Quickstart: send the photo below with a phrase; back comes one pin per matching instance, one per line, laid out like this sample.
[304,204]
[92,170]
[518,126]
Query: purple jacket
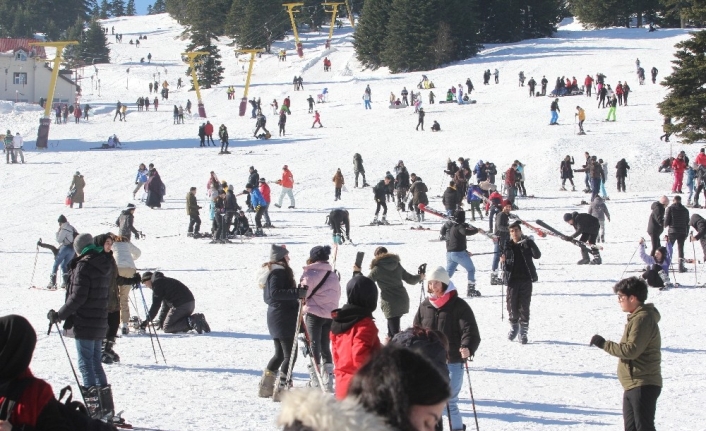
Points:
[327,298]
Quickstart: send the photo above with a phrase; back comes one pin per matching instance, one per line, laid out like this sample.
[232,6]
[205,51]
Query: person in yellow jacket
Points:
[581,114]
[338,183]
[123,111]
[639,368]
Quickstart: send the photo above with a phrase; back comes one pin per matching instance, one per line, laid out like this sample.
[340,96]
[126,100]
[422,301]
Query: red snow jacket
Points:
[700,159]
[208,129]
[31,405]
[351,349]
[287,179]
[510,177]
[588,81]
[679,165]
[265,192]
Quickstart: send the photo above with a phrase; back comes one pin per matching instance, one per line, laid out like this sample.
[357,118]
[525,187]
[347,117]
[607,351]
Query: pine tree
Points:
[93,47]
[412,33]
[130,8]
[159,7]
[117,7]
[685,103]
[105,9]
[209,71]
[256,23]
[370,32]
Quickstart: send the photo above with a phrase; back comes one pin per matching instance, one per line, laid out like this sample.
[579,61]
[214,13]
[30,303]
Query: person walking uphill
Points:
[323,295]
[445,312]
[387,271]
[86,312]
[287,183]
[282,297]
[640,358]
[77,186]
[554,108]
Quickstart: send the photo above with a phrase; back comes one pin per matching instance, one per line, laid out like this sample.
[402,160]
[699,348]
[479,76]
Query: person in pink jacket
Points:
[678,167]
[323,296]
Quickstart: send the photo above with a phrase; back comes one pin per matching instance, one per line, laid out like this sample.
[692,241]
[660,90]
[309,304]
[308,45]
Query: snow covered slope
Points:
[210,381]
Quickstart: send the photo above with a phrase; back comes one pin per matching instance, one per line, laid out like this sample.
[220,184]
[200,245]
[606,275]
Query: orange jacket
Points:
[287,179]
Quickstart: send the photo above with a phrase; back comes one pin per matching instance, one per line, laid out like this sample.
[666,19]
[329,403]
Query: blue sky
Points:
[142,6]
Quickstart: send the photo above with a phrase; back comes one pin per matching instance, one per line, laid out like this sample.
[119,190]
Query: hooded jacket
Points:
[125,254]
[282,303]
[598,209]
[639,349]
[124,224]
[358,163]
[450,198]
[387,271]
[676,218]
[327,297]
[254,178]
[656,224]
[419,193]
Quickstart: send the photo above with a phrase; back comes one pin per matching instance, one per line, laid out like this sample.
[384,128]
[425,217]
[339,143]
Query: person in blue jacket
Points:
[475,200]
[140,179]
[260,205]
[480,171]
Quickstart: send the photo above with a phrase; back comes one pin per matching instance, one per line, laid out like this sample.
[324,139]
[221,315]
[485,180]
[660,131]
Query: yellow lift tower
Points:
[244,100]
[192,58]
[290,8]
[334,13]
[44,122]
[350,14]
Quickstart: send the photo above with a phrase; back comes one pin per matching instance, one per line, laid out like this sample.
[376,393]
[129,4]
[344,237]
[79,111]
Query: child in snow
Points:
[338,184]
[317,119]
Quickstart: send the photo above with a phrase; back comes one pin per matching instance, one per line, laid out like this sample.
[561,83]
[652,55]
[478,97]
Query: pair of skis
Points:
[535,229]
[574,241]
[445,217]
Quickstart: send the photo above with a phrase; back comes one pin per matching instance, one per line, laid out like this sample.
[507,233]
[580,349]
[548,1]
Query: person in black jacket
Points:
[86,312]
[282,296]
[502,230]
[567,173]
[379,191]
[655,226]
[420,121]
[177,303]
[520,273]
[621,173]
[699,225]
[444,311]
[588,227]
[418,190]
[359,169]
[401,184]
[192,210]
[337,218]
[455,233]
[676,218]
[126,223]
[231,208]
[450,198]
[253,178]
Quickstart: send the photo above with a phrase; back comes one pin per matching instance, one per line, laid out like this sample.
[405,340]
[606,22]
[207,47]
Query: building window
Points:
[21,56]
[20,78]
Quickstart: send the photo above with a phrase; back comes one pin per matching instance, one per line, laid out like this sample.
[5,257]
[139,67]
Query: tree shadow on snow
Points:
[66,145]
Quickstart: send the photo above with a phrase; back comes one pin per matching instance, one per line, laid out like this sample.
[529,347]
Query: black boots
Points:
[52,282]
[514,330]
[105,396]
[682,267]
[524,327]
[596,257]
[65,281]
[472,292]
[109,356]
[198,323]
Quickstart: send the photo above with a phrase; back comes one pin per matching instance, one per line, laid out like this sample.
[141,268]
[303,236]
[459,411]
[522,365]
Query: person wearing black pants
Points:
[676,218]
[380,191]
[587,226]
[192,210]
[337,218]
[520,272]
[655,226]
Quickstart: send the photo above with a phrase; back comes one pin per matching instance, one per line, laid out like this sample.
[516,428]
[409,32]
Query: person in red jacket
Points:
[701,158]
[678,167]
[265,192]
[34,404]
[317,119]
[619,93]
[354,336]
[510,184]
[588,83]
[208,129]
[287,183]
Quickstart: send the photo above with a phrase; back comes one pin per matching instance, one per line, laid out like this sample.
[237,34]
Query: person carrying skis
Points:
[337,218]
[554,108]
[455,231]
[380,191]
[676,219]
[599,210]
[177,305]
[581,115]
[223,135]
[317,120]
[657,272]
[519,272]
[639,365]
[502,230]
[420,119]
[587,227]
[621,173]
[359,169]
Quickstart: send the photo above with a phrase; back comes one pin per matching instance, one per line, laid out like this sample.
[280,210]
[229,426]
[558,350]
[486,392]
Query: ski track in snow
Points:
[555,382]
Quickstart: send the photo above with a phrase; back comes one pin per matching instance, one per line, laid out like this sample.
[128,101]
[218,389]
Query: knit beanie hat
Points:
[62,219]
[147,276]
[320,253]
[278,252]
[82,241]
[568,217]
[439,274]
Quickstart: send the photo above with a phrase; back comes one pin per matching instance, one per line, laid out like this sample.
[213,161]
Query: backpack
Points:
[74,412]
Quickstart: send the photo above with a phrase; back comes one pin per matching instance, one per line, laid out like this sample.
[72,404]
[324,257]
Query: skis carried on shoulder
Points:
[445,217]
[535,229]
[574,241]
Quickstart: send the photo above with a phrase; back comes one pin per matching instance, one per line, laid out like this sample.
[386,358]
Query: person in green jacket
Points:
[639,368]
[388,273]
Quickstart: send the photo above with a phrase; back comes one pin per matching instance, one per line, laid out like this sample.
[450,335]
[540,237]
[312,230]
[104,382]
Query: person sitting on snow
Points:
[657,271]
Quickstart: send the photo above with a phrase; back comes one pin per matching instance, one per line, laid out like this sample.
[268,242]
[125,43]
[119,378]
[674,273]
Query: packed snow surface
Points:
[210,381]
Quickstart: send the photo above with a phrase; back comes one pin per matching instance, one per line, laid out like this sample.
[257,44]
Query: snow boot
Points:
[204,323]
[105,398]
[125,329]
[682,268]
[65,280]
[267,384]
[109,356]
[291,207]
[91,397]
[471,291]
[596,258]
[524,327]
[573,188]
[585,260]
[384,220]
[375,221]
[562,189]
[195,323]
[665,280]
[313,378]
[328,378]
[280,387]
[421,215]
[514,330]
[52,282]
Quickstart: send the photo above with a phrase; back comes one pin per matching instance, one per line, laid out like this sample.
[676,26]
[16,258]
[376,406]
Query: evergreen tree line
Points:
[627,13]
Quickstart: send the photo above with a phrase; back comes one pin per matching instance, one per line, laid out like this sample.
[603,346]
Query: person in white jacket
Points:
[17,143]
[323,296]
[65,237]
[125,254]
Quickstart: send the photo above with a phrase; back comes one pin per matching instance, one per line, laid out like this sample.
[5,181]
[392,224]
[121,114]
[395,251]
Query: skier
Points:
[379,191]
[337,218]
[418,190]
[587,226]
[455,233]
[192,210]
[676,218]
[420,121]
[358,168]
[657,272]
[502,230]
[260,124]
[445,312]
[581,115]
[65,237]
[283,299]
[653,72]
[567,173]
[287,184]
[621,173]
[311,104]
[282,123]
[202,135]
[599,210]
[544,83]
[519,272]
[639,355]
[338,182]
[87,302]
[613,103]
[554,108]
[323,296]
[177,305]
[223,135]
[317,119]
[125,223]
[532,84]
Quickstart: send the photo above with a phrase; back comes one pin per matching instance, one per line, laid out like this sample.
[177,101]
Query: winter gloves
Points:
[301,291]
[53,317]
[597,341]
[136,278]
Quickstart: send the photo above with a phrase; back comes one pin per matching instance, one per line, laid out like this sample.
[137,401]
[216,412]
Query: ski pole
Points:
[693,247]
[36,256]
[61,337]
[630,261]
[473,401]
[150,328]
[293,354]
[421,271]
